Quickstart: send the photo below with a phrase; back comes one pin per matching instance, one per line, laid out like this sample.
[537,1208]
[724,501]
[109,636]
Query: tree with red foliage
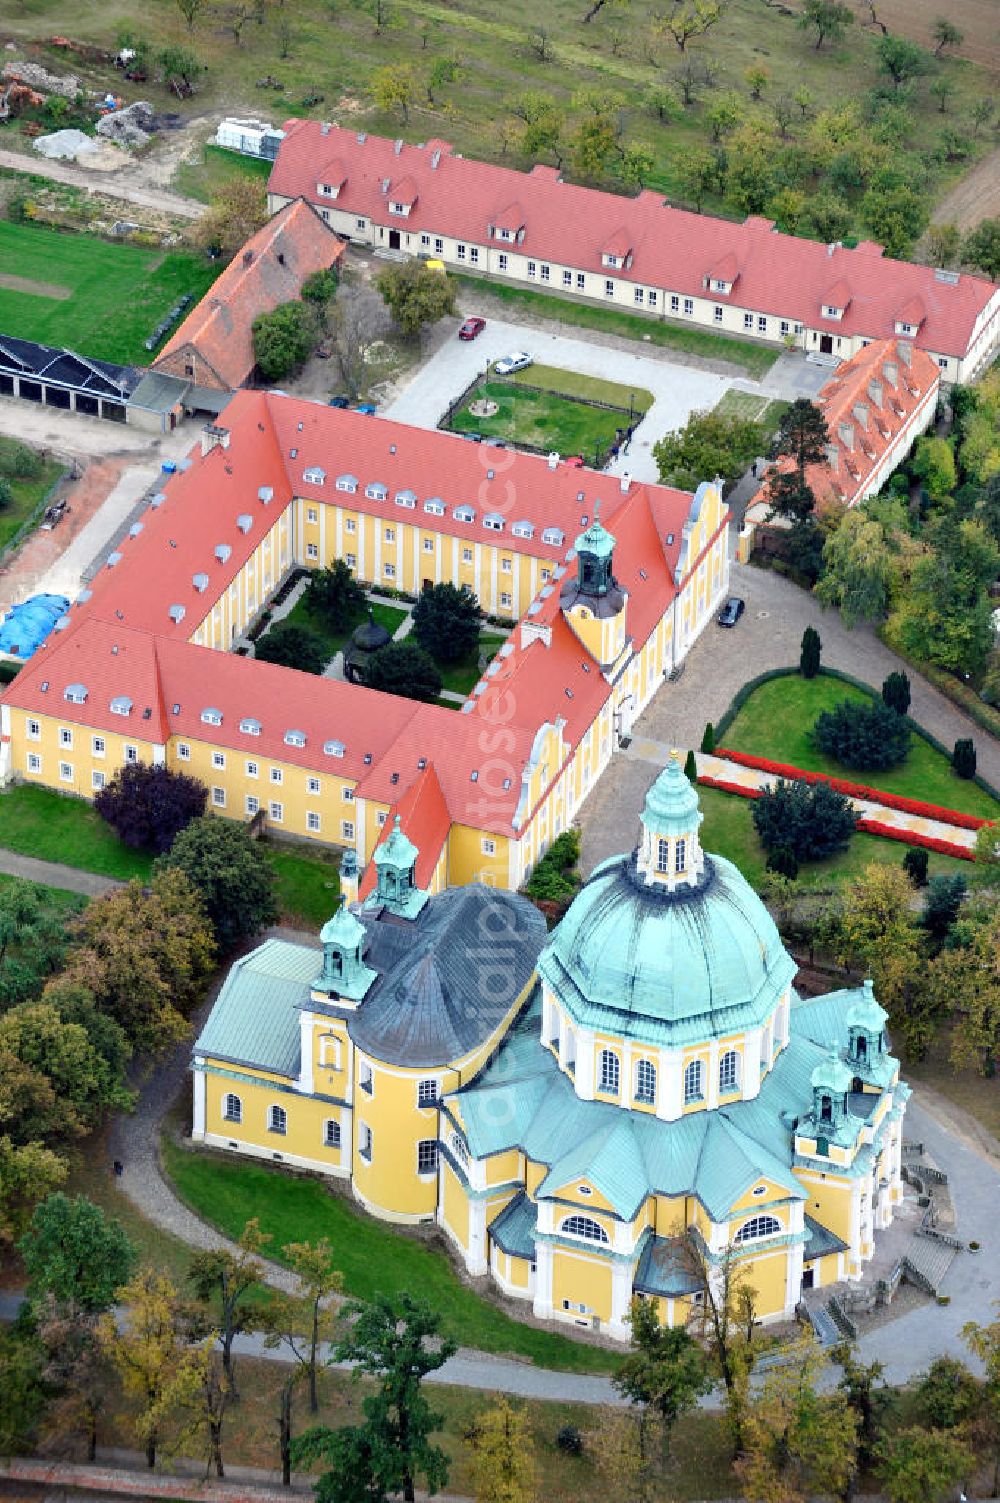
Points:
[148,806]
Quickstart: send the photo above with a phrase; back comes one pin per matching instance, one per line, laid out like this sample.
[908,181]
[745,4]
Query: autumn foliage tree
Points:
[226,1283]
[147,805]
[796,1443]
[237,211]
[503,1454]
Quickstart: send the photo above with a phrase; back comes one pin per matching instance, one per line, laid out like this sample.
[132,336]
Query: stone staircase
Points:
[927,1260]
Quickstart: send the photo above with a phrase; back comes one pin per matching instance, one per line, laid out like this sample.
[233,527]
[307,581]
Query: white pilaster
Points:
[750,1079]
[475,1258]
[793,1277]
[585,1064]
[670,1096]
[198,1116]
[712,1084]
[306,1081]
[542,1306]
[621,1298]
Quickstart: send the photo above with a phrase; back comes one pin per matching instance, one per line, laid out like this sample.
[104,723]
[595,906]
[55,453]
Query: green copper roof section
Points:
[866,1012]
[343,930]
[597,540]
[671,806]
[344,973]
[398,851]
[639,962]
[831,1074]
[254,1020]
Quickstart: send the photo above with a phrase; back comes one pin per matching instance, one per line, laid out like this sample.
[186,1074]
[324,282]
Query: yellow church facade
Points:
[599,1113]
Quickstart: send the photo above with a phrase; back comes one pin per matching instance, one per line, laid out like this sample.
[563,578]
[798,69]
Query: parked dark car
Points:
[339,402]
[366,407]
[732,611]
[471,328]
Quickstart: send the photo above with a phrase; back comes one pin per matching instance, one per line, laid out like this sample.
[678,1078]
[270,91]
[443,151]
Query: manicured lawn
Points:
[374,1256]
[540,418]
[745,404]
[461,677]
[754,359]
[28,494]
[110,297]
[728,830]
[52,827]
[573,384]
[389,616]
[776,722]
[215,168]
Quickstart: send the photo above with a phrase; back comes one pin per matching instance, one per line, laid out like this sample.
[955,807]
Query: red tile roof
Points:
[868,405]
[779,274]
[424,816]
[122,640]
[269,270]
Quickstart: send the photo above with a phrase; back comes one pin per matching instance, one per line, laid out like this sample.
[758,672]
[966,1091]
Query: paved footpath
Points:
[107,184]
[54,874]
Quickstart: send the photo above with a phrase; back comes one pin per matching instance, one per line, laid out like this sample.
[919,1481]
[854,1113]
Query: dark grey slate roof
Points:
[664,1268]
[448,978]
[821,1241]
[43,362]
[513,1230]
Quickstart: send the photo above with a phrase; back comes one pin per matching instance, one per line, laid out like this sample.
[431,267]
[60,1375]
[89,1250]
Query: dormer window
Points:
[348,483]
[398,208]
[211,716]
[553,535]
[494,521]
[464,514]
[830,312]
[314,475]
[523,529]
[333,748]
[406,498]
[76,694]
[249,726]
[295,738]
[376,491]
[121,705]
[434,507]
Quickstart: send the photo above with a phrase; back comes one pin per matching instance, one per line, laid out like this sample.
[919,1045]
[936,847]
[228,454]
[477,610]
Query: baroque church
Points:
[573,1109]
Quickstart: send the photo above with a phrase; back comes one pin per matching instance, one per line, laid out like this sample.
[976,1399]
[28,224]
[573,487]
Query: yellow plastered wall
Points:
[476,856]
[603,637]
[582,1279]
[331,1053]
[767,1275]
[505,1169]
[306,1118]
[455,1205]
[750,1204]
[389,1181]
[232,608]
[829,1201]
[295,800]
[70,754]
[672,1215]
[517,1271]
[587,1200]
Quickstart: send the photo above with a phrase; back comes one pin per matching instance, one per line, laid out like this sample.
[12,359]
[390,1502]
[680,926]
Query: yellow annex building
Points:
[152,662]
[572,1109]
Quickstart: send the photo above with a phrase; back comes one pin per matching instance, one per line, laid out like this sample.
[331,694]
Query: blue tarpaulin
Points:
[26,626]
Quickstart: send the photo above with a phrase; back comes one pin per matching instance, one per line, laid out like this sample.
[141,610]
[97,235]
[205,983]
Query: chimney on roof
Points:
[861,416]
[625,482]
[213,437]
[362,137]
[905,351]
[435,158]
[248,258]
[890,371]
[397,146]
[875,392]
[845,432]
[833,457]
[324,129]
[553,460]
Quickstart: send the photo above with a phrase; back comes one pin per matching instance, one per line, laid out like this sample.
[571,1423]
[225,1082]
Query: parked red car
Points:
[471,328]
[575,461]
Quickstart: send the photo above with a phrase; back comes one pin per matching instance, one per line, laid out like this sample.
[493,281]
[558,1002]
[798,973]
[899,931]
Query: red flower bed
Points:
[911,837]
[858,790]
[740,788]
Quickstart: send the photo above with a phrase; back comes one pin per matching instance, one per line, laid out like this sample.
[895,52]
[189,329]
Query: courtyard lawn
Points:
[542,419]
[214,169]
[28,495]
[756,360]
[728,830]
[54,827]
[745,404]
[461,677]
[373,1255]
[573,384]
[776,722]
[94,296]
[389,616]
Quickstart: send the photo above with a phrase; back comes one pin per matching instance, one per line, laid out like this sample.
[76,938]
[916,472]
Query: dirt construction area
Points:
[976,197]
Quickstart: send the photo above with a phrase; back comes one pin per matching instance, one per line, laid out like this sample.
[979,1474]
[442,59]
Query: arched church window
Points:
[729,1072]
[692,1081]
[680,855]
[584,1226]
[861,1046]
[645,1081]
[610,1075]
[826,1109]
[758,1226]
[662,855]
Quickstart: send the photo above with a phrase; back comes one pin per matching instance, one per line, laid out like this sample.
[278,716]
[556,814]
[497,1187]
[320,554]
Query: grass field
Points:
[756,360]
[728,830]
[214,168]
[460,677]
[39,822]
[777,720]
[28,495]
[574,384]
[389,616]
[374,1256]
[110,296]
[541,419]
[744,404]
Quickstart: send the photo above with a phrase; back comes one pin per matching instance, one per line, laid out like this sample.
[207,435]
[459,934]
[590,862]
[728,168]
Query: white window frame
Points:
[276,812]
[610,1076]
[231,1113]
[427,1157]
[277,1120]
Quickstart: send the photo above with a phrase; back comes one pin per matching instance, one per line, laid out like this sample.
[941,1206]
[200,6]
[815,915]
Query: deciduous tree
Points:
[863,1387]
[709,445]
[305,1320]
[899,59]
[944,244]
[403,668]
[56,1084]
[503,1454]
[335,594]
[917,1465]
[292,646]
[665,1370]
[725,1320]
[690,19]
[797,1442]
[857,569]
[984,1342]
[878,934]
[946,35]
[981,248]
[22,1392]
[830,18]
[227,1282]
[146,804]
[946,613]
[283,339]
[74,1369]
[27,1173]
[625,1451]
[416,295]
[32,941]
[76,1254]
[232,874]
[446,623]
[237,211]
[393,88]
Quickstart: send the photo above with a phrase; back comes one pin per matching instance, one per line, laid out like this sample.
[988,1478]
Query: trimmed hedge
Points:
[858,790]
[911,837]
[742,789]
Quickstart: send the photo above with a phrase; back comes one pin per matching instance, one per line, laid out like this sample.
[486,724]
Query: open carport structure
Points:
[61,378]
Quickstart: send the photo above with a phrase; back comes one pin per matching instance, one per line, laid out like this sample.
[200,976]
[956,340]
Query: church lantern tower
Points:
[593,602]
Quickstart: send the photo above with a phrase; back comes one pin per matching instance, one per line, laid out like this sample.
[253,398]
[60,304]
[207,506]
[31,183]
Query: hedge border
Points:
[910,837]
[986,716]
[864,791]
[741,696]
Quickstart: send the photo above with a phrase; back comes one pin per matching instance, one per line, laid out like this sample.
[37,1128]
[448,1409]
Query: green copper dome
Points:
[636,960]
[671,806]
[831,1074]
[342,930]
[867,1013]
